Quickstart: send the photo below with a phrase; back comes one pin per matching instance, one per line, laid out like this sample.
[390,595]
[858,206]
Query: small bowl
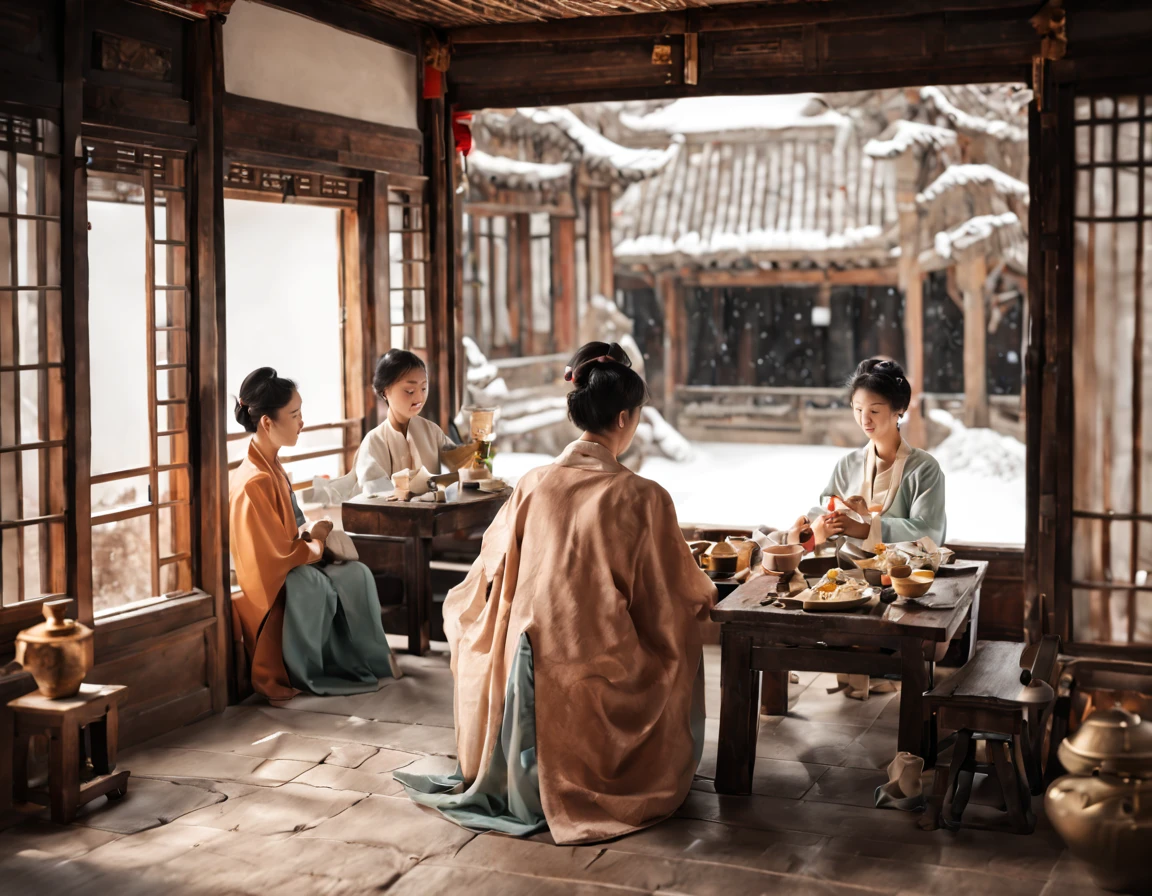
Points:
[900,572]
[782,557]
[722,558]
[916,585]
[492,485]
[873,577]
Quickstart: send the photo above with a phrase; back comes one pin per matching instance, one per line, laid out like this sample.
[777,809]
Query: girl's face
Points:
[874,415]
[406,396]
[284,429]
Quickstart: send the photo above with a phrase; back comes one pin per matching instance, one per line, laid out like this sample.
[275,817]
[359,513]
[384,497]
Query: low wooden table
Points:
[394,538]
[877,639]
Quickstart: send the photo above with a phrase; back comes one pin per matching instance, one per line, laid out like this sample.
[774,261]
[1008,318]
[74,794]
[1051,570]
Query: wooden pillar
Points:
[912,283]
[970,277]
[520,285]
[564,306]
[211,398]
[668,291]
[439,314]
[604,273]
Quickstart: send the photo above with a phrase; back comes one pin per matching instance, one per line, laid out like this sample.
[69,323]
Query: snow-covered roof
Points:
[903,135]
[969,123]
[967,176]
[1000,235]
[514,174]
[726,114]
[597,151]
[759,245]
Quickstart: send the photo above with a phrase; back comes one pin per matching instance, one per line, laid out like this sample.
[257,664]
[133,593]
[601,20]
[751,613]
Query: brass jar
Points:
[58,652]
[1103,808]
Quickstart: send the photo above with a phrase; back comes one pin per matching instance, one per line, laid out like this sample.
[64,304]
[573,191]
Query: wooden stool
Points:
[988,701]
[70,785]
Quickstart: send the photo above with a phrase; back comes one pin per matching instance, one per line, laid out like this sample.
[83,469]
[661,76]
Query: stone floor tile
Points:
[772,777]
[902,875]
[819,743]
[349,755]
[281,745]
[336,778]
[276,810]
[43,841]
[174,763]
[425,880]
[847,786]
[388,760]
[398,822]
[153,847]
[148,804]
[1028,857]
[872,749]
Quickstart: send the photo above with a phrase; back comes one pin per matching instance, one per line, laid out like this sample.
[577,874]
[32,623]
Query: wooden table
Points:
[876,639]
[395,538]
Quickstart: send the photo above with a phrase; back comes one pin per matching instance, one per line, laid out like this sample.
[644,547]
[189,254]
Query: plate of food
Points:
[836,591]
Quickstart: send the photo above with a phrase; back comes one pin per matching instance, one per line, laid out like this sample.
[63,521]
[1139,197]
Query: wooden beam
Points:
[912,282]
[211,349]
[729,18]
[520,317]
[885,276]
[372,24]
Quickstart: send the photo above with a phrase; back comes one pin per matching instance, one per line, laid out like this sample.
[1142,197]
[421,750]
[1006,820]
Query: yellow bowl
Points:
[915,585]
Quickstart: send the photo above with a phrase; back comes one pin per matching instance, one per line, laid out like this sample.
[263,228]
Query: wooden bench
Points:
[993,700]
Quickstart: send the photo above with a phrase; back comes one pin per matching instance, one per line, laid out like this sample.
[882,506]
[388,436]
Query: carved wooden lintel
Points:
[116,53]
[1051,24]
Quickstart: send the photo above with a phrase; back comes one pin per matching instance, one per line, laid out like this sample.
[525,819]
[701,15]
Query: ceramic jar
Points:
[1103,807]
[58,652]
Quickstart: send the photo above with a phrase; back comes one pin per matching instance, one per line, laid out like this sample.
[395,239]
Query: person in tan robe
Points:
[585,570]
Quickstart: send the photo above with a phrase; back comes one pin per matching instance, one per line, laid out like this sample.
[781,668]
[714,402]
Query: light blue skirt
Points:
[334,642]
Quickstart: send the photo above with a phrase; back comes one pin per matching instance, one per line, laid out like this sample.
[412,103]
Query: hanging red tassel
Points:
[461,132]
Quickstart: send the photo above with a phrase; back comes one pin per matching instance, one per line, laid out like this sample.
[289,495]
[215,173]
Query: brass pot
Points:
[58,652]
[1103,808]
[1106,822]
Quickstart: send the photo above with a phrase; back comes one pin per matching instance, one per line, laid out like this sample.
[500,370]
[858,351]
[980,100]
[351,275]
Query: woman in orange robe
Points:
[307,625]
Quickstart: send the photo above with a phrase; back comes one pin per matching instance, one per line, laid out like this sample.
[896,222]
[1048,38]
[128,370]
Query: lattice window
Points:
[139,345]
[33,501]
[1112,370]
[408,269]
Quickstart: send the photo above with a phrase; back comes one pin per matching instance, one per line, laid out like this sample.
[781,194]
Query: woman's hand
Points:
[858,505]
[820,529]
[319,530]
[839,524]
[798,527]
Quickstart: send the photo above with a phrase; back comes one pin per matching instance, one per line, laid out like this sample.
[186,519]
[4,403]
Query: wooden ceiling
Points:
[458,13]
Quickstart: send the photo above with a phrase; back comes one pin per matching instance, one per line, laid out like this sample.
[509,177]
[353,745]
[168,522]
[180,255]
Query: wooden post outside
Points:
[438,329]
[970,276]
[520,297]
[912,283]
[606,275]
[669,294]
[564,306]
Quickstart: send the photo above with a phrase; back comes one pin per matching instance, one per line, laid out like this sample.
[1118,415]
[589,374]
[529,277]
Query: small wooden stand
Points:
[94,708]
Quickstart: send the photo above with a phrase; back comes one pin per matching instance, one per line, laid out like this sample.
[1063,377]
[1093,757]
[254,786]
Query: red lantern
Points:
[433,83]
[461,132]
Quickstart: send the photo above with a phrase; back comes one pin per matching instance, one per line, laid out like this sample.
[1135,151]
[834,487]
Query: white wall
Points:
[278,56]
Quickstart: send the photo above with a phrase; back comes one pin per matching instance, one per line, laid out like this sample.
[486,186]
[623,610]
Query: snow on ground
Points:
[735,484]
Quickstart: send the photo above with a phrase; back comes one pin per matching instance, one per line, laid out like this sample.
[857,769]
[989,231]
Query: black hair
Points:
[604,385]
[392,366]
[262,394]
[884,378]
